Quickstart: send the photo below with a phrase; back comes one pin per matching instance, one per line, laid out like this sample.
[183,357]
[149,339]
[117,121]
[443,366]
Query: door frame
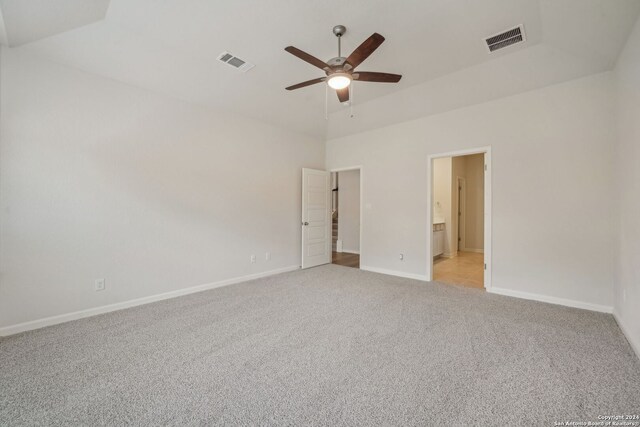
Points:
[487,208]
[461,192]
[353,168]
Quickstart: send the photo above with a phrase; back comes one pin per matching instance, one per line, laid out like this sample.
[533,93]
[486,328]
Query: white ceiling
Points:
[25,21]
[170,46]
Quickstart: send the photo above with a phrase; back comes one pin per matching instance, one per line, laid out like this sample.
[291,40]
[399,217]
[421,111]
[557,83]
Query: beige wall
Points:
[474,202]
[442,207]
[447,170]
[457,169]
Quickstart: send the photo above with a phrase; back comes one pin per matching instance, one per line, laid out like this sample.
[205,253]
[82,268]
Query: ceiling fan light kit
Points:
[339,80]
[340,71]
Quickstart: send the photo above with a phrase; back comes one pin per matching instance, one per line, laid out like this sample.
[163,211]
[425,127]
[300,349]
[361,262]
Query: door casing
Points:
[487,208]
[358,168]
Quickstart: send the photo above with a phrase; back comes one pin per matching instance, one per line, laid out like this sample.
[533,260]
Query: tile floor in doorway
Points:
[467,269]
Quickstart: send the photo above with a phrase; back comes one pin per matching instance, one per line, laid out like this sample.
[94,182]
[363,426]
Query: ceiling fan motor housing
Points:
[340,71]
[339,30]
[339,63]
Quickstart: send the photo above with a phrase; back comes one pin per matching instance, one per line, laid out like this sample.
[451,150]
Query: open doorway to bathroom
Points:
[459,223]
[345,215]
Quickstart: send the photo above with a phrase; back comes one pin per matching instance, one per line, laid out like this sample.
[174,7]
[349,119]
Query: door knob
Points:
[305,223]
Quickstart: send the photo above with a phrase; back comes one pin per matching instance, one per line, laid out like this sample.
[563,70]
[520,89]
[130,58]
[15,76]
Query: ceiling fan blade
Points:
[371,76]
[363,51]
[307,83]
[307,58]
[343,94]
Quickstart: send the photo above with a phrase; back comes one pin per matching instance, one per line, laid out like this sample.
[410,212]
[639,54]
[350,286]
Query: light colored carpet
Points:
[326,346]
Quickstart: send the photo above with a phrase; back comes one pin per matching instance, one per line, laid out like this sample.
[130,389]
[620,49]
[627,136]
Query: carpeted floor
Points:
[327,346]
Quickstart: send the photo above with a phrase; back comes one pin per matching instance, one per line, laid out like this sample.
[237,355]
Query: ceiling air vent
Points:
[506,38]
[235,62]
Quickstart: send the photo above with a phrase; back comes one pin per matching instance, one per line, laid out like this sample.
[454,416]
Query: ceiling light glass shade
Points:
[339,81]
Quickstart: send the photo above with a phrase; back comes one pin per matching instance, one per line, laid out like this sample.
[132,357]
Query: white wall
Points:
[627,166]
[103,180]
[349,210]
[551,149]
[442,199]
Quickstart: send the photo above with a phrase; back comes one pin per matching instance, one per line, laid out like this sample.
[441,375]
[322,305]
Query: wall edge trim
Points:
[81,314]
[551,300]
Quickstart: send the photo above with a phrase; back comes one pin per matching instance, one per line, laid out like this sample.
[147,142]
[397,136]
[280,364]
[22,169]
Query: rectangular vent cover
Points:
[506,38]
[235,62]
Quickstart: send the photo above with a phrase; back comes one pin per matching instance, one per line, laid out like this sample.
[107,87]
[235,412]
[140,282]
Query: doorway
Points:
[346,217]
[461,196]
[460,218]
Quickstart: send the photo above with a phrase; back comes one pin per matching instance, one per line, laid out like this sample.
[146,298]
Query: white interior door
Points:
[316,237]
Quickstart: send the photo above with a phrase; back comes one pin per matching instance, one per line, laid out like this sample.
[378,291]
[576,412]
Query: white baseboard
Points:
[633,342]
[54,320]
[394,273]
[350,251]
[477,251]
[551,300]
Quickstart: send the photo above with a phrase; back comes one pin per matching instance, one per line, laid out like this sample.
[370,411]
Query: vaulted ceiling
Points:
[171,46]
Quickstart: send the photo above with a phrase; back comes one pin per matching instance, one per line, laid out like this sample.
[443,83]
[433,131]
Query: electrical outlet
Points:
[267,256]
[99,285]
[253,259]
[401,257]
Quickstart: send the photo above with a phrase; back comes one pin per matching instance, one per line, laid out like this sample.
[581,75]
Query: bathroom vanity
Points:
[437,241]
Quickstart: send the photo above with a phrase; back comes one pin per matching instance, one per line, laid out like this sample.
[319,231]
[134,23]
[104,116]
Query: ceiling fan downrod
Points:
[339,31]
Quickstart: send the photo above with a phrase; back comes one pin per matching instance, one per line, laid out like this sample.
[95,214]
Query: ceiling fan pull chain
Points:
[326,102]
[351,89]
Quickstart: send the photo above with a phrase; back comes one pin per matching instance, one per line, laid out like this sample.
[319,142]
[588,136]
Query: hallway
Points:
[466,269]
[346,259]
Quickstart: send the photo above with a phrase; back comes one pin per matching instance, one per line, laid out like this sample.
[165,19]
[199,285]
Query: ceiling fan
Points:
[340,71]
